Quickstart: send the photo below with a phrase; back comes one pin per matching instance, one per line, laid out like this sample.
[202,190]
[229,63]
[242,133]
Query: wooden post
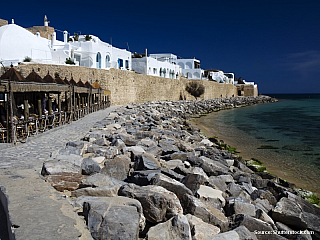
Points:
[7,108]
[11,113]
[50,106]
[26,110]
[39,108]
[59,103]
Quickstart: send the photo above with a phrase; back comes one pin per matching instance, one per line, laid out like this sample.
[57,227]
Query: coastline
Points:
[247,150]
[144,151]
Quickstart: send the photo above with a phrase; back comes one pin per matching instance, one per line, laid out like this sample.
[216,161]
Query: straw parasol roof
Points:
[34,77]
[65,80]
[72,82]
[96,84]
[13,74]
[48,79]
[58,80]
[87,85]
[80,84]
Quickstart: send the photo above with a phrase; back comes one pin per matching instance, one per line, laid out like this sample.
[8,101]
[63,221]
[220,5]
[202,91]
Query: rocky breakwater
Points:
[144,172]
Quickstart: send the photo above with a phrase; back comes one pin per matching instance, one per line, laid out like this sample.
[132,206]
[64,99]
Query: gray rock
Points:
[262,215]
[100,180]
[289,212]
[117,168]
[171,185]
[245,234]
[172,164]
[157,207]
[142,178]
[89,166]
[175,228]
[179,155]
[105,191]
[172,174]
[207,192]
[146,161]
[251,223]
[150,146]
[244,208]
[193,182]
[71,164]
[204,210]
[167,146]
[109,218]
[200,229]
[102,142]
[225,236]
[214,168]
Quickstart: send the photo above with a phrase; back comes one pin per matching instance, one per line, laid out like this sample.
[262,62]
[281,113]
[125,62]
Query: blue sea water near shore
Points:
[284,135]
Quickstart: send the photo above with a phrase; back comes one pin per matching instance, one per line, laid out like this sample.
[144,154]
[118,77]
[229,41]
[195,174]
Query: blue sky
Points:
[274,43]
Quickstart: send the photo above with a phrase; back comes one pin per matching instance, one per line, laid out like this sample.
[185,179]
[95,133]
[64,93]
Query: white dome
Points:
[16,43]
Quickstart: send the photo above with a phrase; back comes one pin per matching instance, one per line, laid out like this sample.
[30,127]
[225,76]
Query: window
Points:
[154,71]
[127,64]
[98,60]
[120,63]
[107,61]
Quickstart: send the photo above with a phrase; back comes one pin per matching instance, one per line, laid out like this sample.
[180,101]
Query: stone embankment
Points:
[145,172]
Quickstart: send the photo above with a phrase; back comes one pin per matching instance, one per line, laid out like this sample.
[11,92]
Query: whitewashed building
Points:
[190,68]
[17,44]
[156,66]
[90,51]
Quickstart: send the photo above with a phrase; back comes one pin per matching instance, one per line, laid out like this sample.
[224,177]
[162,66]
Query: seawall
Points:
[130,87]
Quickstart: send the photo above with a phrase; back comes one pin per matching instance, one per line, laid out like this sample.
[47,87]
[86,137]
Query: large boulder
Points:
[101,180]
[170,184]
[225,236]
[158,204]
[63,163]
[210,193]
[175,228]
[143,177]
[117,168]
[146,161]
[65,181]
[297,213]
[110,218]
[193,182]
[204,210]
[89,166]
[214,168]
[200,229]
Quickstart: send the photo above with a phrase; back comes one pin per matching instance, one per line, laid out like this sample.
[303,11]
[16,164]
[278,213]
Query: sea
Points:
[284,136]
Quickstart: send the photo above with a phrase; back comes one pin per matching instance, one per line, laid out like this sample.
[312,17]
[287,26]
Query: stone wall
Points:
[43,30]
[3,22]
[128,86]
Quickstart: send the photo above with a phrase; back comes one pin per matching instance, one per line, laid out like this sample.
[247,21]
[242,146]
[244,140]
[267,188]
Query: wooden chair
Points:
[3,132]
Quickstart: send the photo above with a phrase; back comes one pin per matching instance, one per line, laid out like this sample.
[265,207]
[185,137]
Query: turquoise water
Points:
[284,135]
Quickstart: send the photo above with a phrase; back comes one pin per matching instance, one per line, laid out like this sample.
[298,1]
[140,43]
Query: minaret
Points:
[46,22]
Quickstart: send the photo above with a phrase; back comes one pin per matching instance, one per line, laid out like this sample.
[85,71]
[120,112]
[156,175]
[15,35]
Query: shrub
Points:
[27,59]
[87,37]
[69,61]
[195,88]
[56,74]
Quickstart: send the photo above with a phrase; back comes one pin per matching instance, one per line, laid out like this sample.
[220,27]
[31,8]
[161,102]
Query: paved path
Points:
[37,208]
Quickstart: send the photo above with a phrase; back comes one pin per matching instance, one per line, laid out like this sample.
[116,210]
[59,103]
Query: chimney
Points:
[146,52]
[54,38]
[65,36]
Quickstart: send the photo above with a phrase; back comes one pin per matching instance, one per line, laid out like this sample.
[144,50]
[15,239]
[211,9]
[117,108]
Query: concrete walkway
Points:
[37,209]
